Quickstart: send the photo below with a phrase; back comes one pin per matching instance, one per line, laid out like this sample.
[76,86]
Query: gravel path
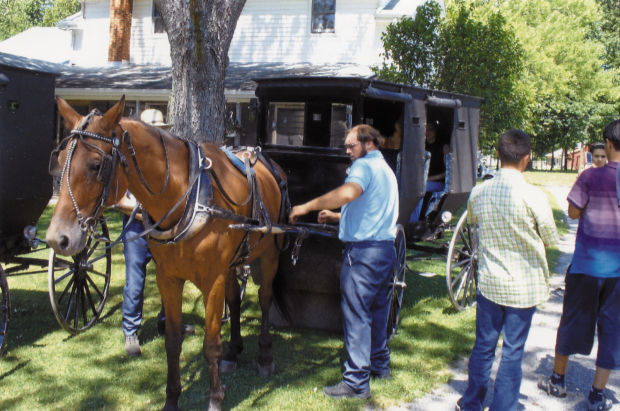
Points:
[539,351]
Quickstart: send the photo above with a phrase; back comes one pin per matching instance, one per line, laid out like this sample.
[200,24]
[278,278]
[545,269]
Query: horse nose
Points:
[63,244]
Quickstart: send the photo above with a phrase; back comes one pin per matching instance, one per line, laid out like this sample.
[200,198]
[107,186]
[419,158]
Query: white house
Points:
[272,37]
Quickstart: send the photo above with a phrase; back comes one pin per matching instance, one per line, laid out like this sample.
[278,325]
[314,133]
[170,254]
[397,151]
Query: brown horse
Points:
[158,176]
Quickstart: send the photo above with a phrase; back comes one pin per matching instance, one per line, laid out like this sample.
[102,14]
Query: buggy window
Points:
[318,124]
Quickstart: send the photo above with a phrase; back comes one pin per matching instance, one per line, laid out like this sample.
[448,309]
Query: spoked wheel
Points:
[397,284]
[78,285]
[462,265]
[5,309]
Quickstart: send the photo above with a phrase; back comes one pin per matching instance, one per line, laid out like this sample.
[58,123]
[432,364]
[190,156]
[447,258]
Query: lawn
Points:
[46,368]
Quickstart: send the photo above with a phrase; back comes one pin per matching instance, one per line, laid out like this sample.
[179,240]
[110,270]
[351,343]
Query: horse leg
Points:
[269,266]
[171,291]
[235,346]
[213,300]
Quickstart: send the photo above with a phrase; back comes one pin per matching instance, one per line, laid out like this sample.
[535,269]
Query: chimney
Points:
[120,30]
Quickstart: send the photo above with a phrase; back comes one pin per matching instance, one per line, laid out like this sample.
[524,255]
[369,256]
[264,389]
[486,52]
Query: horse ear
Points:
[70,116]
[113,115]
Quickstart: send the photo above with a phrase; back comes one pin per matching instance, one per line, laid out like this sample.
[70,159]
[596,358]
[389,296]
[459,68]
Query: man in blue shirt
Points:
[369,203]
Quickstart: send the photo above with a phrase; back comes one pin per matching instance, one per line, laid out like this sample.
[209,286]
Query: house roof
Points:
[155,77]
[44,43]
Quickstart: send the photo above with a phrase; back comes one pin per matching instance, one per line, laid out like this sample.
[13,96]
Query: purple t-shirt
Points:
[597,246]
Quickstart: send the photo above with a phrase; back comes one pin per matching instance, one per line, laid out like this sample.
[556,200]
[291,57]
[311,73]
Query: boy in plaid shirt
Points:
[515,224]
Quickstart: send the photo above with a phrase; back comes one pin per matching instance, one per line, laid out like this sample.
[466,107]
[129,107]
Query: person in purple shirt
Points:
[592,292]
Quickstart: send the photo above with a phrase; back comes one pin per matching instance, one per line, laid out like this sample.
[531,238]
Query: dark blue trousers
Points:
[365,276]
[514,324]
[137,256]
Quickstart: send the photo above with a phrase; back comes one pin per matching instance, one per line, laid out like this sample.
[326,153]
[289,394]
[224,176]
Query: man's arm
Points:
[573,211]
[329,201]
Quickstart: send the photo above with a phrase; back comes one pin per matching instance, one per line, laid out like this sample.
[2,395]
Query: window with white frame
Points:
[323,16]
[158,22]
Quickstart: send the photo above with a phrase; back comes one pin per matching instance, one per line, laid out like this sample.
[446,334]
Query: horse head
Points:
[86,162]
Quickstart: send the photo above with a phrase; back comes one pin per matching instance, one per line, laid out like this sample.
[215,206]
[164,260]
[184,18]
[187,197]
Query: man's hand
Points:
[327,216]
[297,212]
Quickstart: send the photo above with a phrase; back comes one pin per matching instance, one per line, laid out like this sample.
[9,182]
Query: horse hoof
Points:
[266,370]
[226,367]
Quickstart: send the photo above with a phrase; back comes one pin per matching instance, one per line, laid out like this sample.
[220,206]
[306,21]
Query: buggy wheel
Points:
[462,265]
[5,309]
[397,285]
[78,285]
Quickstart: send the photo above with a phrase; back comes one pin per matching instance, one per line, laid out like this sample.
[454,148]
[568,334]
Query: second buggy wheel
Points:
[5,309]
[78,285]
[462,265]
[397,285]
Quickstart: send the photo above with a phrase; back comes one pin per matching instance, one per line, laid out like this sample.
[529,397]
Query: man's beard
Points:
[364,152]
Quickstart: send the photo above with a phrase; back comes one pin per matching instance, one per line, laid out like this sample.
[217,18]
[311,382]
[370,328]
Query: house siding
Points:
[267,31]
[277,31]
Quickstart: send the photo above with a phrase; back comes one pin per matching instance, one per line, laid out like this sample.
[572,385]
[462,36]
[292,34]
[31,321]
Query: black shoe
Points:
[459,405]
[187,329]
[381,375]
[557,390]
[342,390]
[602,404]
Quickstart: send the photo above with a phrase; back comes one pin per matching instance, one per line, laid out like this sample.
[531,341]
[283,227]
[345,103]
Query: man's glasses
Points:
[350,146]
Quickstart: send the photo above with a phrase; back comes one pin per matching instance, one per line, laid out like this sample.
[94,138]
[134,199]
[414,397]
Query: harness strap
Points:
[132,152]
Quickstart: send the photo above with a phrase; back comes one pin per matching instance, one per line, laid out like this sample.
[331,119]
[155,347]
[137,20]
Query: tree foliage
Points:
[550,67]
[19,15]
[459,53]
[572,89]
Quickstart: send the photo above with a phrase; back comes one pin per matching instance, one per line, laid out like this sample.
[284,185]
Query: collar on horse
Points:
[199,207]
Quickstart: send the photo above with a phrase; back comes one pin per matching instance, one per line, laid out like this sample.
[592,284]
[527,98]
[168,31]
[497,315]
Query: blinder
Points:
[106,168]
[54,167]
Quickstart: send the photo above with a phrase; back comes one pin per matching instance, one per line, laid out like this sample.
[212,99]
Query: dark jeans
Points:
[364,283]
[137,256]
[514,324]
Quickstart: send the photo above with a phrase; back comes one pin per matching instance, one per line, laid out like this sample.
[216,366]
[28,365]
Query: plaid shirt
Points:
[515,223]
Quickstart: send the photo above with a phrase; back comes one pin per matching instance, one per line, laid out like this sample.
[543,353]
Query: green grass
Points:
[46,368]
[551,178]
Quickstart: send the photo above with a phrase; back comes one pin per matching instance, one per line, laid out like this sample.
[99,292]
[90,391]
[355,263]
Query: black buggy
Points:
[301,123]
[78,286]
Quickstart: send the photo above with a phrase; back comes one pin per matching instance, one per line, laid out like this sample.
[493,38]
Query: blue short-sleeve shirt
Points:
[373,215]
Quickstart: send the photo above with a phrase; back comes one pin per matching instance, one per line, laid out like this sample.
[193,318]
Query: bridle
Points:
[106,167]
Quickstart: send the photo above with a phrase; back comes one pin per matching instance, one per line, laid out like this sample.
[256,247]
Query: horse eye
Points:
[95,166]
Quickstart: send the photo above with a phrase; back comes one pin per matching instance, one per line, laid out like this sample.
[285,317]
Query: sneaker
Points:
[342,390]
[459,405]
[188,329]
[132,345]
[550,388]
[601,405]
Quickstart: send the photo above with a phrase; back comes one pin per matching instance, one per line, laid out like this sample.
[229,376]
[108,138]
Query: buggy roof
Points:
[347,87]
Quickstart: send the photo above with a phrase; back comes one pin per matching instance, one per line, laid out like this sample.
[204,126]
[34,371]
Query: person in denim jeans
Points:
[515,225]
[369,201]
[137,256]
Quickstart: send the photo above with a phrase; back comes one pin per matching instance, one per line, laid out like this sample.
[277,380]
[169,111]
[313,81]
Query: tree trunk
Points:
[199,33]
